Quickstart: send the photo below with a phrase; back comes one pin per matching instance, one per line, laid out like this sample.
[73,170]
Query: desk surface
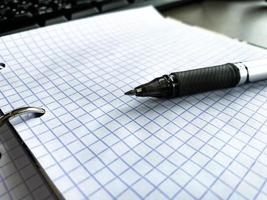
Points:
[243,19]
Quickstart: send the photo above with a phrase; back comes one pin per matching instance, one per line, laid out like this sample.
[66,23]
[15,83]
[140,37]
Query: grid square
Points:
[113,125]
[195,143]
[191,168]
[128,194]
[187,151]
[195,188]
[155,177]
[104,176]
[169,188]
[142,167]
[254,179]
[163,135]
[89,186]
[142,187]
[122,132]
[153,142]
[142,149]
[181,177]
[132,141]
[74,193]
[93,165]
[120,148]
[167,167]
[154,158]
[79,174]
[200,159]
[230,179]
[118,166]
[211,195]
[110,139]
[64,183]
[101,194]
[169,115]
[152,127]
[162,121]
[177,159]
[164,150]
[132,126]
[98,147]
[116,191]
[222,159]
[184,195]
[129,176]
[174,142]
[84,155]
[247,190]
[238,169]
[221,189]
[214,168]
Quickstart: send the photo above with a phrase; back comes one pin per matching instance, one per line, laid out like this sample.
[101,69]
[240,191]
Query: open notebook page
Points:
[94,142]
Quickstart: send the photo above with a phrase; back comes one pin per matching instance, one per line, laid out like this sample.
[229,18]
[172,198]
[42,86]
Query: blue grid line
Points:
[18,170]
[104,150]
[144,156]
[229,165]
[105,164]
[22,98]
[66,174]
[191,157]
[130,120]
[125,163]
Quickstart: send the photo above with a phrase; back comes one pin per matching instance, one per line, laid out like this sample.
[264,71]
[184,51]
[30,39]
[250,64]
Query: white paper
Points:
[95,142]
[19,178]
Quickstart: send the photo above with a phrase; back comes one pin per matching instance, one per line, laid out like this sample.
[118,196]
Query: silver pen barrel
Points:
[252,71]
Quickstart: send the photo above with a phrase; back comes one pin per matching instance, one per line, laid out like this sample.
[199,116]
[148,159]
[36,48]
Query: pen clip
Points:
[37,112]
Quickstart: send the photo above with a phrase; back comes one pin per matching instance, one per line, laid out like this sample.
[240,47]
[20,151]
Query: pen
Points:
[203,79]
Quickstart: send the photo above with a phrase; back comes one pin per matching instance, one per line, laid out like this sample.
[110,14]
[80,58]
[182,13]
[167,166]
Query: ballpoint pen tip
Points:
[131,92]
[2,65]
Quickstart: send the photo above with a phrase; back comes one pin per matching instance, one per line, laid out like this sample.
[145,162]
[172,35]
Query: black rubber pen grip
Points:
[205,79]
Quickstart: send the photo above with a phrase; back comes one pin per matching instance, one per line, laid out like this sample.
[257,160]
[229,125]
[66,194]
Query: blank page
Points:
[95,142]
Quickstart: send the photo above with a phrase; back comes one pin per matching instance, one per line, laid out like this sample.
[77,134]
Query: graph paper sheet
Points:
[19,179]
[94,142]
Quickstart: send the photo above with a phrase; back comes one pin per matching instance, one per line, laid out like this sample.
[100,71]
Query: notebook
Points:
[96,143]
[19,178]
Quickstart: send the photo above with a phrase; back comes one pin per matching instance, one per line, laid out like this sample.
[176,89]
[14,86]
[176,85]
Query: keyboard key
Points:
[83,8]
[47,14]
[66,9]
[18,29]
[106,5]
[55,20]
[16,19]
[84,13]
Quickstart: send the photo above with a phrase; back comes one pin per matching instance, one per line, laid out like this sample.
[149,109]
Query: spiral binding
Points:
[37,112]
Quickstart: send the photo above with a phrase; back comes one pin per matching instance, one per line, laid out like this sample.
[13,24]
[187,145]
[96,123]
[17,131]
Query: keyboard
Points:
[21,15]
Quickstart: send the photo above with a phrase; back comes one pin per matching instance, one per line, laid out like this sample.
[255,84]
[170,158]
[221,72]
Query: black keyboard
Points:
[20,15]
